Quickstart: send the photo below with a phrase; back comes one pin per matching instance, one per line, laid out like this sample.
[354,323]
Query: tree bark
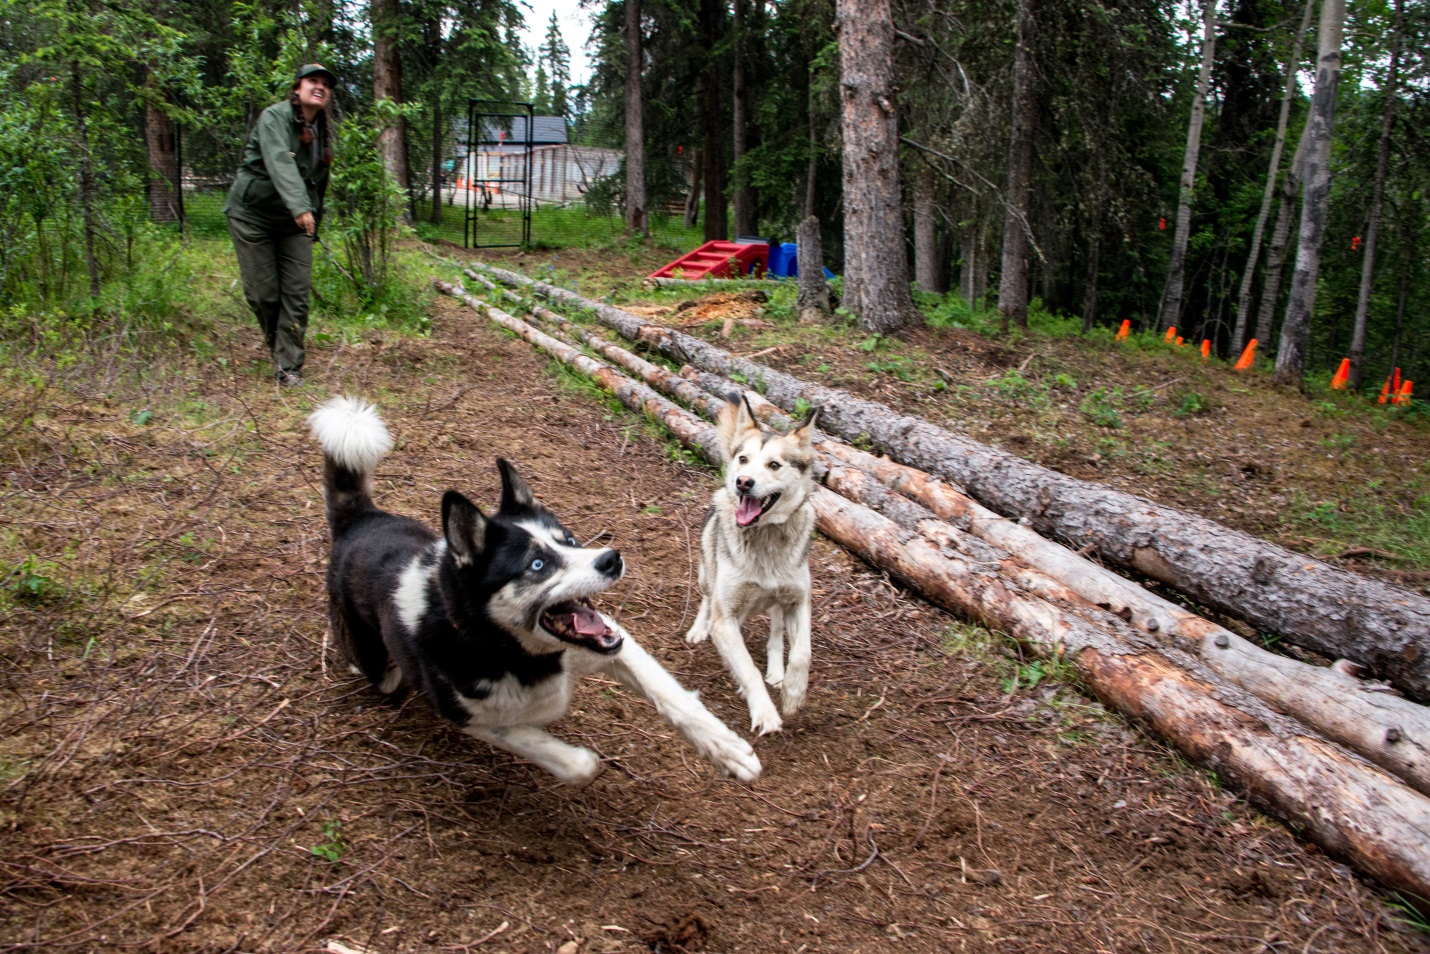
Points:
[744,197]
[387,84]
[86,181]
[1372,232]
[812,300]
[876,267]
[637,219]
[1353,809]
[1320,607]
[161,144]
[1276,254]
[692,197]
[1243,299]
[1013,278]
[1315,198]
[717,222]
[926,229]
[1176,271]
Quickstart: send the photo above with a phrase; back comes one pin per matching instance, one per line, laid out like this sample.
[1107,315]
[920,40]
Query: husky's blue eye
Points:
[537,564]
[570,541]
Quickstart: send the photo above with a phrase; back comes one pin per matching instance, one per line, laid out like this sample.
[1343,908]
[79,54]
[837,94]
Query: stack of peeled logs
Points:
[960,523]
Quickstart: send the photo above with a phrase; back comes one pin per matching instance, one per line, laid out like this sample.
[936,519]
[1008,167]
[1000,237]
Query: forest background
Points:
[1109,160]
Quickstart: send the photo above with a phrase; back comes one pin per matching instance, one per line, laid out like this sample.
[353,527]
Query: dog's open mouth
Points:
[751,509]
[576,621]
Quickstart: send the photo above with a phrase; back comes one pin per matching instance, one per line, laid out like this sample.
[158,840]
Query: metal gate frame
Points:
[483,114]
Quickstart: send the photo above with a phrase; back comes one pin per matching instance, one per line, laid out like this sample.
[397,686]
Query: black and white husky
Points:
[491,620]
[754,558]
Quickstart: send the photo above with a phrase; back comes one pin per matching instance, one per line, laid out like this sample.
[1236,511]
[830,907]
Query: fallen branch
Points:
[1330,610]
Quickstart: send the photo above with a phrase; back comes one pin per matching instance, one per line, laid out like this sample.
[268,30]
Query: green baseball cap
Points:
[315,69]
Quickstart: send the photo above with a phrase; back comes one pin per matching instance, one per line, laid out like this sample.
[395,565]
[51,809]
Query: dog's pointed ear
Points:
[733,423]
[515,494]
[805,432]
[464,528]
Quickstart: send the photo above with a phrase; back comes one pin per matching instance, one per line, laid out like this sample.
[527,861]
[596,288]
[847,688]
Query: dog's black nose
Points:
[744,484]
[610,563]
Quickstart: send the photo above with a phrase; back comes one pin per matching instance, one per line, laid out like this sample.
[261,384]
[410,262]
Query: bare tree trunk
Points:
[813,296]
[1382,161]
[1276,254]
[86,180]
[637,219]
[876,265]
[387,84]
[1094,262]
[161,144]
[1400,308]
[692,197]
[744,199]
[1013,277]
[925,229]
[1315,198]
[712,85]
[1243,299]
[1176,271]
[437,138]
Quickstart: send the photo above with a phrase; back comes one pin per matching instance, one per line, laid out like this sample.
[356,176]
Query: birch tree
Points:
[1315,197]
[1176,270]
[636,215]
[1372,233]
[1293,66]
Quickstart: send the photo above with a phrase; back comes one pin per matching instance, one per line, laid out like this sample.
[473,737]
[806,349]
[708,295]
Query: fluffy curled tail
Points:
[354,440]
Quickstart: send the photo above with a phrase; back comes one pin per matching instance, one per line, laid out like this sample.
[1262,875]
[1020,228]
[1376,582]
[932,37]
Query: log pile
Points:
[1334,612]
[1312,744]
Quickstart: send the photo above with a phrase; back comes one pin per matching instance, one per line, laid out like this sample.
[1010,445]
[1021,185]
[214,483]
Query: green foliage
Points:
[33,580]
[1103,407]
[333,847]
[1191,404]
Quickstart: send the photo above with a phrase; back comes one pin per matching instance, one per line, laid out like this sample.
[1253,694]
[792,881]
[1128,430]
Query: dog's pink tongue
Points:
[747,511]
[588,622]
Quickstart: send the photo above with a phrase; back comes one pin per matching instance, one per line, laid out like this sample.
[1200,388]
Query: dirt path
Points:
[180,765]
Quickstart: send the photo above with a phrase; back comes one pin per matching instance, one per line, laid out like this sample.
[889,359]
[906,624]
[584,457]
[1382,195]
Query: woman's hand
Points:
[306,223]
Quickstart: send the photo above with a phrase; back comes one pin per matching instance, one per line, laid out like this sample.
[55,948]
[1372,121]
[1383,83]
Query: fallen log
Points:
[1346,805]
[1389,731]
[1317,606]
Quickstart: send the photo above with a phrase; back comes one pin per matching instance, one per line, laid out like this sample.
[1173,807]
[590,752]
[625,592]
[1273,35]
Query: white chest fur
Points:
[512,703]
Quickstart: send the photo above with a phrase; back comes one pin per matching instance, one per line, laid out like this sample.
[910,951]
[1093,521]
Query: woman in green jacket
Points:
[273,212]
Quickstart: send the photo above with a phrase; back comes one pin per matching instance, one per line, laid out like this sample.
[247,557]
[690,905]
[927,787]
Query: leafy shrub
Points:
[1102,407]
[1191,404]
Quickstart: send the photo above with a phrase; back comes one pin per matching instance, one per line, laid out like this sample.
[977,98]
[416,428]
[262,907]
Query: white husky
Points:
[754,558]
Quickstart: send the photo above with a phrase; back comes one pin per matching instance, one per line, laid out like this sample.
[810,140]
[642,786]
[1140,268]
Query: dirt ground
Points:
[184,766]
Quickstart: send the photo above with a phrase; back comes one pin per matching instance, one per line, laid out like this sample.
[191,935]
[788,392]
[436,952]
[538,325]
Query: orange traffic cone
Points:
[1395,382]
[1403,398]
[1384,392]
[1206,348]
[1343,374]
[1248,357]
[1125,330]
[1170,335]
[1180,342]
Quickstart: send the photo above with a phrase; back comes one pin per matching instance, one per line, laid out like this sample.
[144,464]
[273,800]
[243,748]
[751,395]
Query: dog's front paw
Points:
[765,720]
[697,634]
[734,756]
[581,768]
[792,698]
